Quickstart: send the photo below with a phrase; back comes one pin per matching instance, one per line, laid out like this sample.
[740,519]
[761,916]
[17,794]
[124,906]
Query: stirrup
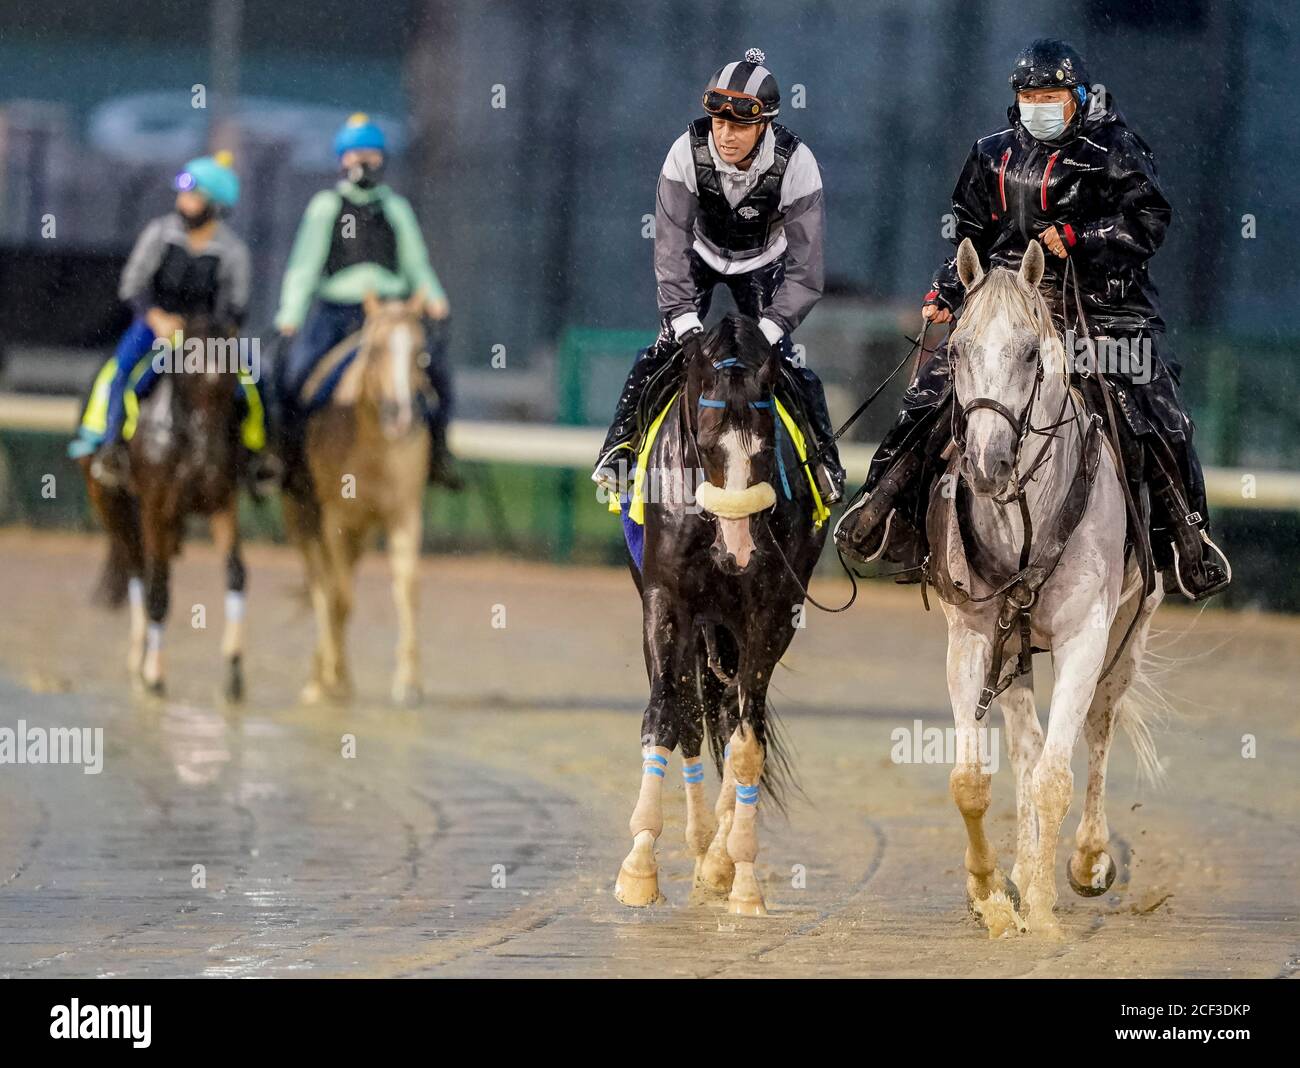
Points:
[1210,590]
[831,488]
[605,474]
[845,545]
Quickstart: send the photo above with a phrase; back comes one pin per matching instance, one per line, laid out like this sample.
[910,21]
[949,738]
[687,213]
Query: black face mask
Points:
[193,222]
[365,175]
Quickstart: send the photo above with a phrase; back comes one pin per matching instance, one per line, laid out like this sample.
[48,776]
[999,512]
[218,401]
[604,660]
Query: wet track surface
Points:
[480,833]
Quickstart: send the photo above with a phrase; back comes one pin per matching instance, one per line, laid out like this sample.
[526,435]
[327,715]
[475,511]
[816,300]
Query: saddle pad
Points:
[94,417]
[329,372]
[631,506]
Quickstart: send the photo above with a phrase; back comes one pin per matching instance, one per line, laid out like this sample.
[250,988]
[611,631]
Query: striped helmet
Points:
[744,91]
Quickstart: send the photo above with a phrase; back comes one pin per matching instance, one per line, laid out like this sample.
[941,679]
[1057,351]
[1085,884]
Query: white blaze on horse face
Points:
[401,344]
[736,534]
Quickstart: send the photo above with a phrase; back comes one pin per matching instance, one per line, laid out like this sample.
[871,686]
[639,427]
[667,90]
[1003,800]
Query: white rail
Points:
[546,445]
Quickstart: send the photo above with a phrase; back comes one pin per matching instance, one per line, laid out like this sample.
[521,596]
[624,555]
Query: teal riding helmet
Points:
[359,133]
[211,176]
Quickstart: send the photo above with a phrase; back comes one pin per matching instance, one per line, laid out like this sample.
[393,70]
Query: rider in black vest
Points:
[739,203]
[1070,173]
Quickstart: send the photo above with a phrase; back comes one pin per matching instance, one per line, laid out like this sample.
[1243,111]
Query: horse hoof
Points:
[310,694]
[739,907]
[746,899]
[712,881]
[716,873]
[1000,912]
[1091,889]
[408,696]
[637,891]
[156,688]
[235,686]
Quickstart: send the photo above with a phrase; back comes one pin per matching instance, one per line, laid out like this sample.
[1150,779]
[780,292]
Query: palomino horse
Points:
[1034,551]
[185,459]
[367,452]
[722,588]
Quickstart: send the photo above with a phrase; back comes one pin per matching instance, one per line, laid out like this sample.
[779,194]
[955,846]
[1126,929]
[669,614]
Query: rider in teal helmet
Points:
[359,237]
[187,262]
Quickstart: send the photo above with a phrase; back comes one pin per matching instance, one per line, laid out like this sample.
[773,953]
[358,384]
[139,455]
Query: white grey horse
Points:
[1012,384]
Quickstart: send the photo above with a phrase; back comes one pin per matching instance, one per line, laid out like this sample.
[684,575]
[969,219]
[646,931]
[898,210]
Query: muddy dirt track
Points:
[522,768]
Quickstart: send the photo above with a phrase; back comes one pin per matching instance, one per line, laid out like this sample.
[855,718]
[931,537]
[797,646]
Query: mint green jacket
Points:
[302,277]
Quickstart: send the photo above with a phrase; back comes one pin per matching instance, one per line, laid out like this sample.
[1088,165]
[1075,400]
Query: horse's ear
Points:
[1033,265]
[370,303]
[968,264]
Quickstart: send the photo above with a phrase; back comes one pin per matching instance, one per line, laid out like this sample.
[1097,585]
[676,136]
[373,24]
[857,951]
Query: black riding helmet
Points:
[745,91]
[1048,64]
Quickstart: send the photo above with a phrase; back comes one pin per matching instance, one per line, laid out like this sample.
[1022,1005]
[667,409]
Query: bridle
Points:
[1022,424]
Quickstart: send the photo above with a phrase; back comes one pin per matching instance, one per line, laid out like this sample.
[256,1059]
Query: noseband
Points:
[767,402]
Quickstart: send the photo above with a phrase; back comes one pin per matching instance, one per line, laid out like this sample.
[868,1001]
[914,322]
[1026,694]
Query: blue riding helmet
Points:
[359,133]
[211,176]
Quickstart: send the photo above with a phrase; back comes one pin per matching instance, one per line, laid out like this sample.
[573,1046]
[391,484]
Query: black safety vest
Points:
[745,230]
[372,238]
[186,284]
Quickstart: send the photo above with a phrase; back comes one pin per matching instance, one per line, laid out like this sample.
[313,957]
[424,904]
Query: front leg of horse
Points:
[638,877]
[404,560]
[225,531]
[1024,746]
[139,628]
[157,571]
[992,898]
[717,871]
[746,761]
[1078,664]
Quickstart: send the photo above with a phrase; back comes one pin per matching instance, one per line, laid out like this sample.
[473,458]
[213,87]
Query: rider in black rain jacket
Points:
[1086,187]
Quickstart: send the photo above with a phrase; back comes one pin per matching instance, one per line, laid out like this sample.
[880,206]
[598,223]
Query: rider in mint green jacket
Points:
[359,237]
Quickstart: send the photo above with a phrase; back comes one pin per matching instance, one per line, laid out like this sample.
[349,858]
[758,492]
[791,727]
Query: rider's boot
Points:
[873,524]
[1199,569]
[828,471]
[111,466]
[617,451]
[442,464]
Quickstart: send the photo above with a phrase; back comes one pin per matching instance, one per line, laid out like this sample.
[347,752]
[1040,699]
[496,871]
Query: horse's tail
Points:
[1144,707]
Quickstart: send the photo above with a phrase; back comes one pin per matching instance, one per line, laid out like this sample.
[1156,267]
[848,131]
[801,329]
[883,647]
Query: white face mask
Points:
[1044,121]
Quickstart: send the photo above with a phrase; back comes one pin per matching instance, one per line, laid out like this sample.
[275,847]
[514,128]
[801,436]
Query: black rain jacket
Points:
[1097,185]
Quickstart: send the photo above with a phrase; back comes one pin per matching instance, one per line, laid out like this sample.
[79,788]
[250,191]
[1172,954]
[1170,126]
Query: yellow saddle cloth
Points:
[636,500]
[94,421]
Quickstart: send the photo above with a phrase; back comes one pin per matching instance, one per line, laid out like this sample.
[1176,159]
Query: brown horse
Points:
[367,453]
[185,459]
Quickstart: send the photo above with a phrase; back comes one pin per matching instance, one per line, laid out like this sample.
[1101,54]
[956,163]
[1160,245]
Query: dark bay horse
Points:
[730,544]
[185,459]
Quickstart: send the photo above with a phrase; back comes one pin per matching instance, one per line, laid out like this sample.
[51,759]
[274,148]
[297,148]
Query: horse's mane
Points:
[1001,291]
